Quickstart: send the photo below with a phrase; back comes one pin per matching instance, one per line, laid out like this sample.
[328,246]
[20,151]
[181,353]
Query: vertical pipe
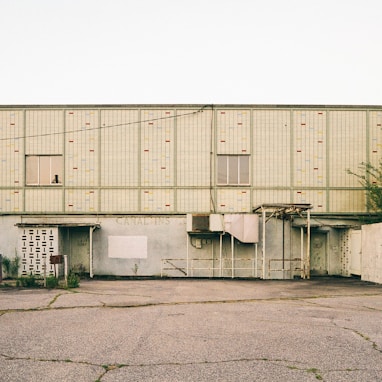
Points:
[232,255]
[221,254]
[264,214]
[65,269]
[283,251]
[302,253]
[212,255]
[308,246]
[91,251]
[188,244]
[256,260]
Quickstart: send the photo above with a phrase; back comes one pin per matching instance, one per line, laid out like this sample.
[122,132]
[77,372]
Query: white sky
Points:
[191,51]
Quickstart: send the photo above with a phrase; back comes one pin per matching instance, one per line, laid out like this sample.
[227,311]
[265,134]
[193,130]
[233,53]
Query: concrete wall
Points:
[141,245]
[372,253]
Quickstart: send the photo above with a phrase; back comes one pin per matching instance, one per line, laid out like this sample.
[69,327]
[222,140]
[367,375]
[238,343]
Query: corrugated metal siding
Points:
[271,153]
[375,140]
[119,148]
[347,146]
[309,148]
[81,200]
[193,200]
[11,200]
[271,196]
[119,200]
[315,197]
[233,200]
[81,148]
[163,159]
[45,133]
[11,148]
[193,148]
[157,165]
[347,200]
[43,200]
[233,131]
[158,200]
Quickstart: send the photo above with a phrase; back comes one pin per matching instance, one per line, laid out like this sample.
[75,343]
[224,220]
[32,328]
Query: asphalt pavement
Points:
[327,329]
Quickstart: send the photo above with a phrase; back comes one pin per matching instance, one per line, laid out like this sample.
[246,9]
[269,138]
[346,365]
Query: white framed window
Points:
[43,170]
[233,170]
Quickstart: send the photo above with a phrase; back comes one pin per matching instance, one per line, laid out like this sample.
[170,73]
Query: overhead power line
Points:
[107,126]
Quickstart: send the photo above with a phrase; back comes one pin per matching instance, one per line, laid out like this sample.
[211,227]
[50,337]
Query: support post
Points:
[91,229]
[187,253]
[232,256]
[221,254]
[264,217]
[302,263]
[66,269]
[308,246]
[255,260]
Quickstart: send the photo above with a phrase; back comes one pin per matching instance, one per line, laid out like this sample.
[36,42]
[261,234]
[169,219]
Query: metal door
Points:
[318,254]
[79,244]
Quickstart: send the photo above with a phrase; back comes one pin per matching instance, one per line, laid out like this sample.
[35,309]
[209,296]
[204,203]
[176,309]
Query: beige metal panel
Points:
[347,201]
[271,148]
[81,200]
[233,200]
[309,146]
[119,147]
[270,196]
[11,148]
[44,132]
[347,145]
[81,146]
[157,144]
[193,148]
[375,140]
[11,201]
[119,201]
[233,131]
[193,200]
[317,198]
[158,200]
[43,200]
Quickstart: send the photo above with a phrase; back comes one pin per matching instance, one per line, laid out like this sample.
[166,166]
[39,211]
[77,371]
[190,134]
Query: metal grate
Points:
[36,247]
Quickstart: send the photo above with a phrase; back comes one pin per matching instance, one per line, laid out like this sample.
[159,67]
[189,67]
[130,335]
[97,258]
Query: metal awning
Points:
[59,225]
[91,226]
[282,211]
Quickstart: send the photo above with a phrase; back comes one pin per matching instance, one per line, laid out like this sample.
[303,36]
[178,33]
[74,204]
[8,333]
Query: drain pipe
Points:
[91,230]
[232,255]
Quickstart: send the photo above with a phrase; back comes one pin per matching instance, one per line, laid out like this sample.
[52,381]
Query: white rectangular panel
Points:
[127,247]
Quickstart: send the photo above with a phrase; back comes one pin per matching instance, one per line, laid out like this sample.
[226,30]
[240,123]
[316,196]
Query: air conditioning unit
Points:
[216,223]
[204,223]
[198,222]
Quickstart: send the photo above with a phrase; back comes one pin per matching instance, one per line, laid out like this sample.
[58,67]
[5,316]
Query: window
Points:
[233,169]
[43,170]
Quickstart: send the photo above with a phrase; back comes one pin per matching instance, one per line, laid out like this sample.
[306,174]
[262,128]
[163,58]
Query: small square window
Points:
[233,169]
[43,170]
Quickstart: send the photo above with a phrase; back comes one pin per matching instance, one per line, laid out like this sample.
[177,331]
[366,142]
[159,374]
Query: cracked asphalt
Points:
[327,329]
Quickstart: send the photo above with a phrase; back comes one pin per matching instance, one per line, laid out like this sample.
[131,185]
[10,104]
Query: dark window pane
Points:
[244,170]
[222,169]
[233,177]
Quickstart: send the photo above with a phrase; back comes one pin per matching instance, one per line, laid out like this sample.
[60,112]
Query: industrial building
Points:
[185,190]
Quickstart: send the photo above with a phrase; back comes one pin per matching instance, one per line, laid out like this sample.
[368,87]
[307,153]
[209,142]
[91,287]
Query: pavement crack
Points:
[365,337]
[55,298]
